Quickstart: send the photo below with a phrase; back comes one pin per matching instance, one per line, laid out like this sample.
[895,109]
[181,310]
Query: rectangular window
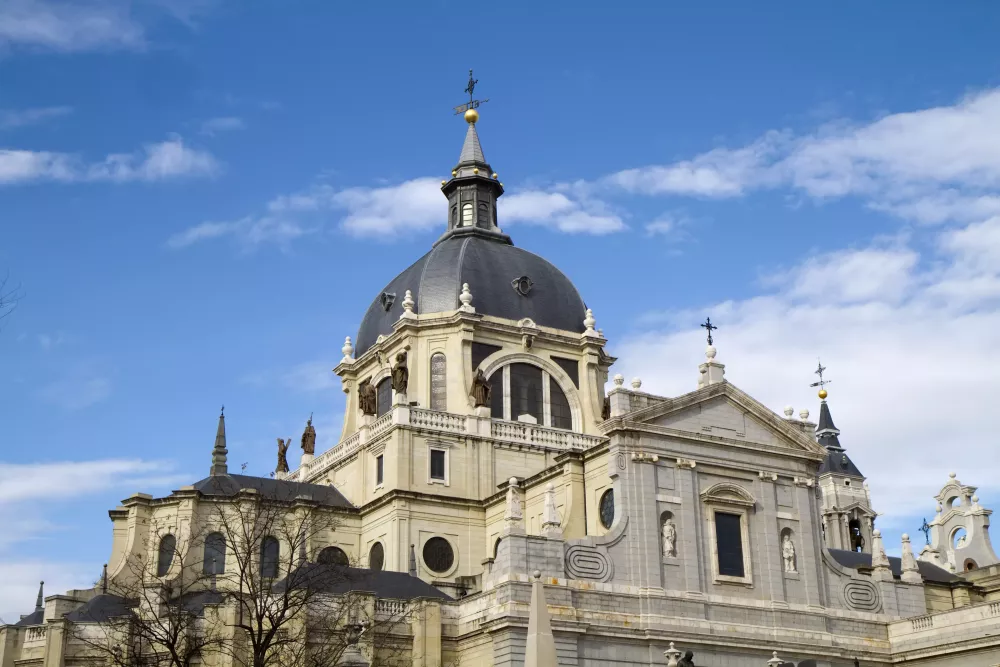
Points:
[379,470]
[383,397]
[437,464]
[729,544]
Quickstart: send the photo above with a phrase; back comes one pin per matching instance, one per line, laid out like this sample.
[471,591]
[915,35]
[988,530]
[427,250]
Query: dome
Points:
[494,269]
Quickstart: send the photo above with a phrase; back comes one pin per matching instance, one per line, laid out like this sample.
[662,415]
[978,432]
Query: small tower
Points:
[959,534]
[219,452]
[848,519]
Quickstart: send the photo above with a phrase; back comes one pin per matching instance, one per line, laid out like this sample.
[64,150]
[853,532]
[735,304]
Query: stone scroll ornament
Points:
[586,562]
[862,595]
[481,389]
[367,398]
[400,374]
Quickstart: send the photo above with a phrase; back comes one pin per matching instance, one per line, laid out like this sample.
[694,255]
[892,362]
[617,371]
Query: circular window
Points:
[438,554]
[376,557]
[333,556]
[607,508]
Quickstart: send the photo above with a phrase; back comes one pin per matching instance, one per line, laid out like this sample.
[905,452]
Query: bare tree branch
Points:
[10,295]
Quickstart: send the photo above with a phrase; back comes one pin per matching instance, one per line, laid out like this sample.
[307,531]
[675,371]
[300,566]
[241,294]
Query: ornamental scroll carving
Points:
[584,562]
[862,595]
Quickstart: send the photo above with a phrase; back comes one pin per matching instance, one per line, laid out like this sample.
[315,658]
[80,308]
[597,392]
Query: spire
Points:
[219,451]
[826,432]
[413,561]
[474,187]
[540,650]
[40,600]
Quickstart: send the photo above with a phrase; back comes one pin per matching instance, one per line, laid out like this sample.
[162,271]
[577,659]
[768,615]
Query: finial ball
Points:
[822,394]
[471,116]
[951,475]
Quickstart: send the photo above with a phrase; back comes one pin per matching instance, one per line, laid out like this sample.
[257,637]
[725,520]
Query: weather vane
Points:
[472,103]
[709,327]
[926,529]
[820,368]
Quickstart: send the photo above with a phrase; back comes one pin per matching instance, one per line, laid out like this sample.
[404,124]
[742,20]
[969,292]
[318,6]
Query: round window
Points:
[607,508]
[438,554]
[376,557]
[333,556]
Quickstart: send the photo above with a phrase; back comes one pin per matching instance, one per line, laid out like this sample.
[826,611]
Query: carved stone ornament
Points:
[367,398]
[400,374]
[282,458]
[669,534]
[788,553]
[481,389]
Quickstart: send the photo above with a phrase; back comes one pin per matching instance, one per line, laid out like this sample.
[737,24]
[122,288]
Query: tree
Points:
[10,295]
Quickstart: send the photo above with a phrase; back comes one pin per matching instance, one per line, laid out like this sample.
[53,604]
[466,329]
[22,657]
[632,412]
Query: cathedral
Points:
[523,504]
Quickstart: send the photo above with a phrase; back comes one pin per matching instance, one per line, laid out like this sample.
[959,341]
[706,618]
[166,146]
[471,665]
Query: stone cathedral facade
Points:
[486,436]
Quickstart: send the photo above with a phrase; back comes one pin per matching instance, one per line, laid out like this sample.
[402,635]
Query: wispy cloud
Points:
[66,26]
[14,118]
[76,391]
[214,126]
[49,481]
[250,232]
[154,162]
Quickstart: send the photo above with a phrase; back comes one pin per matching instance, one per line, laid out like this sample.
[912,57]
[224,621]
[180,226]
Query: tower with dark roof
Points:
[848,519]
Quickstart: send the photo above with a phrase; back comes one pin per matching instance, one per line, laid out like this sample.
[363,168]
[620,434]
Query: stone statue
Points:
[687,660]
[788,553]
[400,374]
[282,459]
[606,408]
[366,397]
[308,438]
[669,532]
[481,389]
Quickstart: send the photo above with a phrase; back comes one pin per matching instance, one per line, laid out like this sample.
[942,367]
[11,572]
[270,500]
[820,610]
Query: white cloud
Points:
[58,480]
[67,26]
[76,392]
[249,232]
[410,206]
[557,210]
[213,126]
[19,585]
[154,162]
[14,118]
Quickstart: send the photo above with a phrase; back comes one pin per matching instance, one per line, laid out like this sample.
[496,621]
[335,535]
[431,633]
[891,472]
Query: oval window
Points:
[607,508]
[376,557]
[438,554]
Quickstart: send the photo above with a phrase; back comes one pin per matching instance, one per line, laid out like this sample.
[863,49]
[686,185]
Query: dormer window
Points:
[466,215]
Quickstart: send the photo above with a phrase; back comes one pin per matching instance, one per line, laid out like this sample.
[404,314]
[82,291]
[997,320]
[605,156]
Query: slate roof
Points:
[928,571]
[837,461]
[100,608]
[489,263]
[472,151]
[338,579]
[36,617]
[274,489]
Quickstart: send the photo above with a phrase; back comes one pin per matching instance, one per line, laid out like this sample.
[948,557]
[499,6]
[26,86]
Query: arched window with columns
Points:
[528,392]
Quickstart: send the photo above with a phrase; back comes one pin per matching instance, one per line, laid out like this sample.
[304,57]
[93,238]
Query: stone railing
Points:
[35,634]
[445,422]
[922,622]
[928,634]
[543,436]
[437,421]
[391,608]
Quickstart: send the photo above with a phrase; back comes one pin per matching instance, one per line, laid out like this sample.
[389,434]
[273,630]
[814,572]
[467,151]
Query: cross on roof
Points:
[709,327]
[472,103]
[820,368]
[925,529]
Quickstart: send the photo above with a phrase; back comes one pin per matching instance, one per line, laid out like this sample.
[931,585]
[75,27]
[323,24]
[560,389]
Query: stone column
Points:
[55,644]
[426,628]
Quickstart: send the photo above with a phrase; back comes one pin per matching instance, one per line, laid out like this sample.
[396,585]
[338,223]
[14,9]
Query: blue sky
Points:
[200,198]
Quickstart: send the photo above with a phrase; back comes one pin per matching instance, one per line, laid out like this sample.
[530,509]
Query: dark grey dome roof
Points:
[489,263]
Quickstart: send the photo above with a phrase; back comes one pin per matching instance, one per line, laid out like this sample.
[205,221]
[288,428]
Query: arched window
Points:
[168,545]
[269,550]
[333,556]
[562,416]
[496,395]
[376,557]
[526,392]
[484,215]
[214,561]
[454,216]
[439,382]
[606,508]
[857,539]
[466,215]
[383,397]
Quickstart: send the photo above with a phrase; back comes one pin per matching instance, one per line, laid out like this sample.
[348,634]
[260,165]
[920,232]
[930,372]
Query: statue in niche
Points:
[481,389]
[400,374]
[669,534]
[282,458]
[788,553]
[606,408]
[367,398]
[308,438]
[687,660]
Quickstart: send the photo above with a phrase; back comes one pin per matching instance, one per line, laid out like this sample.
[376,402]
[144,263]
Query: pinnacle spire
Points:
[40,600]
[472,150]
[219,452]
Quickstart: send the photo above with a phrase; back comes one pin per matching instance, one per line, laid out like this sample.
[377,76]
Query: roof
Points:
[337,579]
[489,263]
[273,489]
[838,462]
[100,608]
[36,617]
[928,571]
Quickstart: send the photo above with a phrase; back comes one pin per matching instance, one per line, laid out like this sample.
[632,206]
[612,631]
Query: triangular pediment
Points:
[723,411]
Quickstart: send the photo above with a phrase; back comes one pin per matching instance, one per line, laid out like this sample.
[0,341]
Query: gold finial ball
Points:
[454,172]
[494,174]
[471,116]
[476,170]
[822,394]
[443,182]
